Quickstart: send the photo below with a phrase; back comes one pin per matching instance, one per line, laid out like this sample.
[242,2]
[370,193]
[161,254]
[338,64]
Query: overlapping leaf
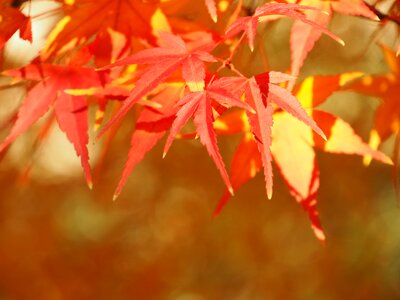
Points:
[11,20]
[386,87]
[85,18]
[387,115]
[198,105]
[163,61]
[260,92]
[292,148]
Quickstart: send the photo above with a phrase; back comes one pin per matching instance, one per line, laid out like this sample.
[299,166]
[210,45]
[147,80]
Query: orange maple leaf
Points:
[11,20]
[85,18]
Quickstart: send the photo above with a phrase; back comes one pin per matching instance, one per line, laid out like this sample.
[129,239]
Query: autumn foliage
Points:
[178,77]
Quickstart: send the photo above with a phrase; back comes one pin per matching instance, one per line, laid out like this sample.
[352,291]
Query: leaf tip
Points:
[389,161]
[115,196]
[269,194]
[102,131]
[367,160]
[164,154]
[324,136]
[2,147]
[90,184]
[319,233]
[230,189]
[321,133]
[215,213]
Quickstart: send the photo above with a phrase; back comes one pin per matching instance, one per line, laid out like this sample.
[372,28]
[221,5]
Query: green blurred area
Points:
[59,240]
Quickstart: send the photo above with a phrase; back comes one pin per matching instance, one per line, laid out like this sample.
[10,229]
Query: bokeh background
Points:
[59,240]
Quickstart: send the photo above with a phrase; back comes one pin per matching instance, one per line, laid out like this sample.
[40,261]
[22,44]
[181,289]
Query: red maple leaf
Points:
[173,53]
[198,105]
[70,111]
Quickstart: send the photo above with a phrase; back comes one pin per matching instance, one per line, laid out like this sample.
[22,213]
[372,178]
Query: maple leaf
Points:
[304,37]
[11,20]
[260,92]
[163,61]
[297,162]
[292,148]
[86,18]
[70,111]
[249,24]
[150,128]
[261,124]
[387,115]
[198,105]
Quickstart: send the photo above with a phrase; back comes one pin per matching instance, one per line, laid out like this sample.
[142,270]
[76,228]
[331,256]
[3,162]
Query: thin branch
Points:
[381,15]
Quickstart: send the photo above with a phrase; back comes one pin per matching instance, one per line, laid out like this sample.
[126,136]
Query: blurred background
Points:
[60,240]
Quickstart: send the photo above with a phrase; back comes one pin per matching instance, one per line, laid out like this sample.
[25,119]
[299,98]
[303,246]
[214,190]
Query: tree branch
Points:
[381,15]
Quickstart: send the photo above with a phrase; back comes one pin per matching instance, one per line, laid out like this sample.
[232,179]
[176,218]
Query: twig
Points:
[381,15]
